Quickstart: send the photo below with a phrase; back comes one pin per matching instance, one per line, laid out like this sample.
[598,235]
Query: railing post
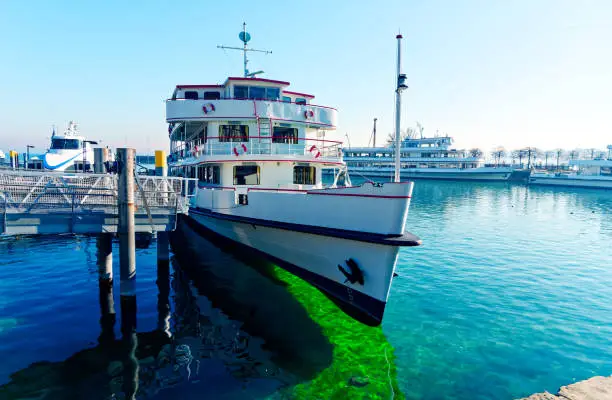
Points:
[161,169]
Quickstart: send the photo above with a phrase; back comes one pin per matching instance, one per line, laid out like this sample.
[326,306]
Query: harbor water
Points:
[510,294]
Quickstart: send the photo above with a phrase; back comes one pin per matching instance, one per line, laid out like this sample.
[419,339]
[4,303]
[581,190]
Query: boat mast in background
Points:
[374,133]
[401,85]
[244,36]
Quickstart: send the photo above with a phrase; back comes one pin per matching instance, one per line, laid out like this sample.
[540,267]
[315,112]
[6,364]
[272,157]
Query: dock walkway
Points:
[35,202]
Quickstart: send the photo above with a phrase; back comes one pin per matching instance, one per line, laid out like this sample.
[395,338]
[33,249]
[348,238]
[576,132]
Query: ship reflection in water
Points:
[239,329]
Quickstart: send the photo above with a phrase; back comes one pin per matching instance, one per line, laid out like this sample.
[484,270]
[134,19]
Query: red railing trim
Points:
[241,99]
[281,137]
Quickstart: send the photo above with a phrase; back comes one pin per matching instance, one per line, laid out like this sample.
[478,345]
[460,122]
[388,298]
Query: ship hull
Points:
[577,182]
[314,258]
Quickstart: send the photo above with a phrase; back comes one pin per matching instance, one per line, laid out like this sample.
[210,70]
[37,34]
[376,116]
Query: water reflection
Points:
[225,328]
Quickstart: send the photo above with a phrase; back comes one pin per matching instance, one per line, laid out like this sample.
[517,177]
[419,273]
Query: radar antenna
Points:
[244,37]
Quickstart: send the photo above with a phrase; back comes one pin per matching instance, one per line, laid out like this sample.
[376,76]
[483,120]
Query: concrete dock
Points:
[595,388]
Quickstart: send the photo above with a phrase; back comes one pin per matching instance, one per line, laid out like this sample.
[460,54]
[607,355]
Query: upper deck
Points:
[243,99]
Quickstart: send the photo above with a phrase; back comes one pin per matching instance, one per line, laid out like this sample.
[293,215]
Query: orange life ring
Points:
[210,107]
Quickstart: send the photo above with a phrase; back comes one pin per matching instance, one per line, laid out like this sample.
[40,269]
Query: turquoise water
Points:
[510,294]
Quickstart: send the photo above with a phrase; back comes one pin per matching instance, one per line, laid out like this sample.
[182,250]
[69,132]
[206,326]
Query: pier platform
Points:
[34,202]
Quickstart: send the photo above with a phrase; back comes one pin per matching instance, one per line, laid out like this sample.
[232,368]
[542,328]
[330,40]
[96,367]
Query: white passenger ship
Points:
[257,151]
[69,152]
[595,173]
[425,158]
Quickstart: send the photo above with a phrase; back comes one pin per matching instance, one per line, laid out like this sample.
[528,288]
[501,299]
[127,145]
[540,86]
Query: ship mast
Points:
[401,85]
[244,37]
[374,133]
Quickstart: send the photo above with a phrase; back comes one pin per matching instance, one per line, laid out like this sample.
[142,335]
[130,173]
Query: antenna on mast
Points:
[244,37]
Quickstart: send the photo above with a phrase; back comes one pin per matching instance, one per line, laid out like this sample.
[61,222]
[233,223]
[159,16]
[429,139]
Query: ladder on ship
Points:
[264,127]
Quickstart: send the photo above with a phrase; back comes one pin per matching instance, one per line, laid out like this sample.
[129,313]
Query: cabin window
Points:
[233,133]
[246,175]
[212,95]
[272,93]
[300,100]
[304,175]
[191,95]
[257,92]
[284,135]
[241,92]
[65,144]
[209,174]
[286,99]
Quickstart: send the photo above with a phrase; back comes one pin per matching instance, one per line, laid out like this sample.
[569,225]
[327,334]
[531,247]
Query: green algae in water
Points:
[363,360]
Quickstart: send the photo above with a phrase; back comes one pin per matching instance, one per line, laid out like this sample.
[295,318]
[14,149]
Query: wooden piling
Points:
[127,240]
[104,246]
[100,157]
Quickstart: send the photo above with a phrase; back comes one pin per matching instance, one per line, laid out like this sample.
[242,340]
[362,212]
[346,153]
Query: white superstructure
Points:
[258,150]
[595,173]
[69,152]
[425,158]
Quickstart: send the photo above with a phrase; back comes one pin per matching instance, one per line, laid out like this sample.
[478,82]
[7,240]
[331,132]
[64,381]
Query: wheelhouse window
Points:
[212,95]
[65,144]
[272,93]
[233,133]
[300,100]
[191,95]
[246,175]
[286,99]
[284,135]
[209,174]
[241,92]
[257,92]
[303,175]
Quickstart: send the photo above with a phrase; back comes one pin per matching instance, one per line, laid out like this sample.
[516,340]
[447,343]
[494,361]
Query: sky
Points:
[488,73]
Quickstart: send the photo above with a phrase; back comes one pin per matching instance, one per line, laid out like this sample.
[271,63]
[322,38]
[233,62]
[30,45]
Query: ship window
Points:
[272,93]
[304,175]
[241,92]
[284,135]
[212,95]
[191,95]
[257,92]
[300,100]
[65,144]
[246,175]
[286,99]
[233,133]
[210,174]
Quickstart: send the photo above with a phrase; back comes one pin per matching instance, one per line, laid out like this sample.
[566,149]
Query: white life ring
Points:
[239,150]
[208,108]
[194,151]
[308,114]
[314,150]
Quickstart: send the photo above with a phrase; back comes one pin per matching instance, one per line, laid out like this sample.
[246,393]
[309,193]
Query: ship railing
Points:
[30,192]
[262,145]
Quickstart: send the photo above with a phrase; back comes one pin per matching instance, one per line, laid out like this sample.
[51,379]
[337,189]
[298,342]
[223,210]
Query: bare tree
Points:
[497,154]
[475,152]
[547,154]
[574,154]
[408,133]
[559,153]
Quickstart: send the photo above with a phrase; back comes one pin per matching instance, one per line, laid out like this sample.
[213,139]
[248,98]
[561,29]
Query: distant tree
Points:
[547,154]
[475,152]
[497,154]
[574,154]
[408,133]
[559,153]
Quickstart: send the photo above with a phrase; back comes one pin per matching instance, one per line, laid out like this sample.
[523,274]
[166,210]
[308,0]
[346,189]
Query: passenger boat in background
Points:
[424,158]
[257,150]
[596,173]
[69,152]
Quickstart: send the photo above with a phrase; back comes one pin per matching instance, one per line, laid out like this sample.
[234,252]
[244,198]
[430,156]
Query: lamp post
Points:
[28,147]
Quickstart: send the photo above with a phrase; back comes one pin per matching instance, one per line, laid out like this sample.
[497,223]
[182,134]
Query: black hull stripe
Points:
[407,239]
[360,306]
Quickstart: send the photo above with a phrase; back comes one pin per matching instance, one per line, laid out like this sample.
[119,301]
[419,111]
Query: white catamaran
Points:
[69,152]
[257,150]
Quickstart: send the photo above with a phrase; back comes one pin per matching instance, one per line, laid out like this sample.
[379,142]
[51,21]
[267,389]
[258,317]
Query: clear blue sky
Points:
[512,73]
